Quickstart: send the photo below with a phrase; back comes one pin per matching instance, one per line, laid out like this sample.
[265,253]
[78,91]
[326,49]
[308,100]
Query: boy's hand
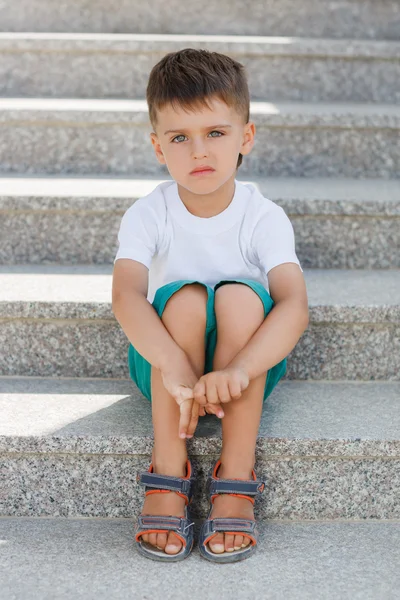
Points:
[179,380]
[220,387]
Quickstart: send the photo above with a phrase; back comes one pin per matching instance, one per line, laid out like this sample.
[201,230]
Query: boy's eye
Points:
[178,137]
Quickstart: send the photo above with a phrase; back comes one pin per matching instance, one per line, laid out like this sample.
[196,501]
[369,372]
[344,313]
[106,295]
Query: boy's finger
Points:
[185,416]
[185,393]
[235,390]
[194,419]
[223,392]
[199,392]
[215,409]
[201,400]
[212,394]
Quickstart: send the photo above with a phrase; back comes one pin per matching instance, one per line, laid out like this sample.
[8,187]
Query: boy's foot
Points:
[164,504]
[226,506]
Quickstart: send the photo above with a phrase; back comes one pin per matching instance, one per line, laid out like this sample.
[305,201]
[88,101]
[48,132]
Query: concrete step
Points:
[313,18]
[112,137]
[57,321]
[95,559]
[327,450]
[293,70]
[76,220]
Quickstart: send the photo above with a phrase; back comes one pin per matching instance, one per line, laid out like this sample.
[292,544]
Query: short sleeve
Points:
[138,234]
[273,240]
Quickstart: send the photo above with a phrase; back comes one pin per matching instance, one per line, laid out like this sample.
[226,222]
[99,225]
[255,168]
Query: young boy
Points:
[202,260]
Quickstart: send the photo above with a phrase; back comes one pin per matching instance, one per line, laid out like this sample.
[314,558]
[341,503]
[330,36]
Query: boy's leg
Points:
[239,313]
[184,317]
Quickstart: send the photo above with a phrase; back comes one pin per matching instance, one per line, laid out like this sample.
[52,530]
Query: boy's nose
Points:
[199,150]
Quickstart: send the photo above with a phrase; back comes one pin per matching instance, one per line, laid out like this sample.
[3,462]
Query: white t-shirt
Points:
[250,237]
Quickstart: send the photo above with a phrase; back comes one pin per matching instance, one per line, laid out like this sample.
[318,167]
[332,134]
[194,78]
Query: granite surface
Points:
[327,450]
[344,19]
[297,195]
[95,559]
[111,137]
[295,69]
[320,419]
[51,324]
[67,485]
[74,347]
[74,235]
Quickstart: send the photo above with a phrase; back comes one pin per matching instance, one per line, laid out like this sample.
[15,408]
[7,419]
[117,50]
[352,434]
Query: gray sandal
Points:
[210,527]
[182,526]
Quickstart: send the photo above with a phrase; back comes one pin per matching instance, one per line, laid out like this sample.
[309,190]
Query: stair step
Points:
[292,70]
[327,450]
[344,19]
[76,220]
[57,321]
[96,559]
[111,137]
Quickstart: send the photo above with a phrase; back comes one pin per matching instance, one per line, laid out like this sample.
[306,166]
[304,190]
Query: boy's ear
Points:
[157,148]
[248,137]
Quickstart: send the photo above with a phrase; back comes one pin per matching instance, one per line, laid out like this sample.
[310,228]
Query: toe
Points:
[174,544]
[237,544]
[153,539]
[229,540]
[162,540]
[246,541]
[144,538]
[217,544]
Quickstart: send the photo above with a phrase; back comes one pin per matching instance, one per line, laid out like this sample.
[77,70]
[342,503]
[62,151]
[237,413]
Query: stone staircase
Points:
[74,430]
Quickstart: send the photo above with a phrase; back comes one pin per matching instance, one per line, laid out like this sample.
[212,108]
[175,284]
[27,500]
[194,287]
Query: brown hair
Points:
[189,77]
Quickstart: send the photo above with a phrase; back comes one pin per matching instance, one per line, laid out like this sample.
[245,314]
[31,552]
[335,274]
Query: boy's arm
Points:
[137,317]
[283,326]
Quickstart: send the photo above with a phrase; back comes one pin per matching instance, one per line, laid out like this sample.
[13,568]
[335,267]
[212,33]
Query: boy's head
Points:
[199,108]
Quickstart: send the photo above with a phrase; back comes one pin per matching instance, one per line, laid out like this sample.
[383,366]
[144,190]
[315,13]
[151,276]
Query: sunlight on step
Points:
[46,414]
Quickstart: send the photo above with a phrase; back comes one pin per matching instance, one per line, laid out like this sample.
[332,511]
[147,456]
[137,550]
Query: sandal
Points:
[233,487]
[182,526]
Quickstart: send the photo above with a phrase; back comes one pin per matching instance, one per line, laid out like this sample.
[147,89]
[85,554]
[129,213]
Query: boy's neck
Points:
[208,205]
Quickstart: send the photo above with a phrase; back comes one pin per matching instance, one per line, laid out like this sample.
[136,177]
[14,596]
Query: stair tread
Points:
[59,289]
[71,187]
[319,418]
[249,44]
[305,113]
[353,559]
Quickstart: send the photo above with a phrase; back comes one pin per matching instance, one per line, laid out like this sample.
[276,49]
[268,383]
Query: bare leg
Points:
[185,318]
[240,313]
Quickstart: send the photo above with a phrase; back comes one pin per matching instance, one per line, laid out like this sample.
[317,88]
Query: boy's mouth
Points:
[203,170]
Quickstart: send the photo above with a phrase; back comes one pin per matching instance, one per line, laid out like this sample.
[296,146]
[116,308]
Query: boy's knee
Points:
[239,310]
[186,308]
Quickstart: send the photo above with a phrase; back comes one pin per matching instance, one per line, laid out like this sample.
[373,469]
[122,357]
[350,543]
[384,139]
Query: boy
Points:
[201,262]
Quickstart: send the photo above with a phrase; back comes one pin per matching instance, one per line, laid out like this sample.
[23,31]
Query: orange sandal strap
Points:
[149,492]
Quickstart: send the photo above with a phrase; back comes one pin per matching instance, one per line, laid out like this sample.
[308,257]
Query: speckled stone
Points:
[327,450]
[51,324]
[112,137]
[74,236]
[344,19]
[96,66]
[105,486]
[95,559]
[352,223]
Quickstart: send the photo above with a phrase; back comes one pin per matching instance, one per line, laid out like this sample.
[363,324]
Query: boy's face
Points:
[203,138]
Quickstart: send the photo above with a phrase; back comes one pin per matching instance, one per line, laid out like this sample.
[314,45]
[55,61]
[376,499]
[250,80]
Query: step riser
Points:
[96,74]
[346,19]
[97,347]
[297,487]
[118,147]
[91,238]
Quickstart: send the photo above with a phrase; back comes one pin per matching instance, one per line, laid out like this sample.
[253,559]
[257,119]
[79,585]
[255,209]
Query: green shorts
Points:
[140,369]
